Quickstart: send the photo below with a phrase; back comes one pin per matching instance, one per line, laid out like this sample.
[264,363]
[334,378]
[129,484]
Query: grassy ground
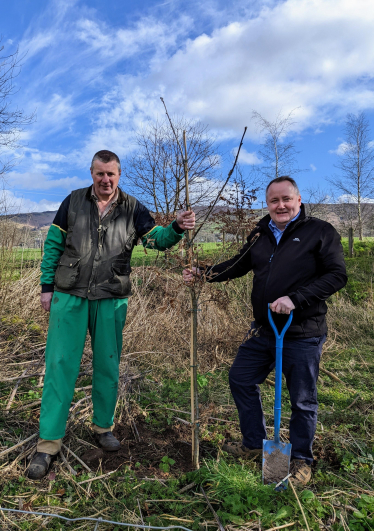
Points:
[153,466]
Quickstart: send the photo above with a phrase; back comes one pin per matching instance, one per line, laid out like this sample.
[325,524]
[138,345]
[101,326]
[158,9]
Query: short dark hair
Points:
[281,180]
[106,156]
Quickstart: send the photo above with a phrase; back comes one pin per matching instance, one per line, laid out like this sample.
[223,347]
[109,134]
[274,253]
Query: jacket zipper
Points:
[273,253]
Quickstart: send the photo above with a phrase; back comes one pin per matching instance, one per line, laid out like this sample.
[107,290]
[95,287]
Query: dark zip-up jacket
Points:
[307,265]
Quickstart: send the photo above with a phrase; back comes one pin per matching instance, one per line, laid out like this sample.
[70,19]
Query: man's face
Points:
[283,203]
[105,177]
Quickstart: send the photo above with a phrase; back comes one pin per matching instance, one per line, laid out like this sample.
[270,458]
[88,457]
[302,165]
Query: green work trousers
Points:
[70,317]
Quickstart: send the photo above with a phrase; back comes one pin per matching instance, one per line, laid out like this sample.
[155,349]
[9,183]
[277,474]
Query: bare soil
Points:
[276,466]
[147,451]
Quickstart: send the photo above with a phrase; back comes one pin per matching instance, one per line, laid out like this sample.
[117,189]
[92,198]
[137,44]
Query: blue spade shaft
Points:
[278,372]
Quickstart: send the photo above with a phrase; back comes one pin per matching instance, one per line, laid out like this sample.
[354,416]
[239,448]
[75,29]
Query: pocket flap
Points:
[68,261]
[121,267]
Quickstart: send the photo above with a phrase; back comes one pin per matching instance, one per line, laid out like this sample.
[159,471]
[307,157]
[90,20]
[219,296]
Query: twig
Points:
[183,421]
[5,452]
[220,526]
[332,375]
[270,382]
[140,511]
[41,377]
[170,501]
[298,501]
[370,492]
[28,406]
[13,393]
[77,458]
[281,526]
[98,477]
[187,487]
[354,401]
[71,470]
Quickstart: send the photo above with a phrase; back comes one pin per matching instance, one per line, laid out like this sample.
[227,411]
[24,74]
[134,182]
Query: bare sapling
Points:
[195,287]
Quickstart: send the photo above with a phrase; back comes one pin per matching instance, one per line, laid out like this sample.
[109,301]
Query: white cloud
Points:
[346,198]
[126,42]
[39,181]
[247,158]
[16,204]
[313,168]
[311,54]
[341,150]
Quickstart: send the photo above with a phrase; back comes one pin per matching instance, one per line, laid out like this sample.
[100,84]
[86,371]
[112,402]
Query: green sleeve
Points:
[54,246]
[161,238]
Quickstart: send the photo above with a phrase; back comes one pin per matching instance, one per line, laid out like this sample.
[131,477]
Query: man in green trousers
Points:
[85,285]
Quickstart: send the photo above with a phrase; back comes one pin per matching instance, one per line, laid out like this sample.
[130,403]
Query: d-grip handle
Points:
[279,336]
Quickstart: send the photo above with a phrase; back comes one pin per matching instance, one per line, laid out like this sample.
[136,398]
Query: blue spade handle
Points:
[278,371]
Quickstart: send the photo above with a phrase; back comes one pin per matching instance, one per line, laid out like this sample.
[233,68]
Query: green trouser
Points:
[69,319]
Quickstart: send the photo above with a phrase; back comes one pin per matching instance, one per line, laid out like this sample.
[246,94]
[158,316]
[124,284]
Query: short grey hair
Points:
[106,156]
[281,180]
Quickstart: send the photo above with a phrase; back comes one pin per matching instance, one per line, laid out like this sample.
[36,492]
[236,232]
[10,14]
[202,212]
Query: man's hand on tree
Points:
[46,299]
[282,305]
[190,274]
[186,220]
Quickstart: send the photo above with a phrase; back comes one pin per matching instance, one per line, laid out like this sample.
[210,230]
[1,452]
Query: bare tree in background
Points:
[315,201]
[278,154]
[12,119]
[156,172]
[235,217]
[356,166]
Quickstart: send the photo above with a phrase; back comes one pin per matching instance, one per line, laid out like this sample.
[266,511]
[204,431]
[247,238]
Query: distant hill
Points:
[35,220]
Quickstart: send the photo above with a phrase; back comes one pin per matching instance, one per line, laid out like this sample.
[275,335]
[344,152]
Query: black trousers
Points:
[254,361]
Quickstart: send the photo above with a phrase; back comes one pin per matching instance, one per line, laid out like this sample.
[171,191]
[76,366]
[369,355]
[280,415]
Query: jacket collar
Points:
[122,196]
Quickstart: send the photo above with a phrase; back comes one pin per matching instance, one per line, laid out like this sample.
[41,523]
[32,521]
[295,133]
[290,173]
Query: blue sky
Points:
[94,71]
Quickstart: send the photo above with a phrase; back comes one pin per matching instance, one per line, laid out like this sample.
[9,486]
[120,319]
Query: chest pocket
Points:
[67,272]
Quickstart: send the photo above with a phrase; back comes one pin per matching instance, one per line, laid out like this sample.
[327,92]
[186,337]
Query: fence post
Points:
[350,242]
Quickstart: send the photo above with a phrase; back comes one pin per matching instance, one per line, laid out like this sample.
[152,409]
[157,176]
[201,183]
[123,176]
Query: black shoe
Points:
[108,442]
[39,465]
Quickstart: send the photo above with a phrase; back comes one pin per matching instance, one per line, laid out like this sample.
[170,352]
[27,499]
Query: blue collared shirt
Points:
[277,232]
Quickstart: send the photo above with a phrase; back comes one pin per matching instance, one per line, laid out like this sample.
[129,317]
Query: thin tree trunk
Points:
[194,387]
[193,354]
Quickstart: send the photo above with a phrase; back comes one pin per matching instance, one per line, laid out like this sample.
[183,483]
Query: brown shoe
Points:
[301,472]
[239,450]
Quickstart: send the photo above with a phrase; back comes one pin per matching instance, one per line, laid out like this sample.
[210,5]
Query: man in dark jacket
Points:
[298,263]
[85,285]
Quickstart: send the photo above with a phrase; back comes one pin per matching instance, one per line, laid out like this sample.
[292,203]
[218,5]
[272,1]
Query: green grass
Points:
[340,496]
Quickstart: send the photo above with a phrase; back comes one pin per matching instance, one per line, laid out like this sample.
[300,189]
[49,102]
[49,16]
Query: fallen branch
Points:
[298,501]
[281,526]
[28,406]
[94,479]
[13,393]
[77,458]
[21,377]
[183,421]
[187,487]
[354,401]
[332,375]
[220,526]
[5,452]
[71,470]
[270,382]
